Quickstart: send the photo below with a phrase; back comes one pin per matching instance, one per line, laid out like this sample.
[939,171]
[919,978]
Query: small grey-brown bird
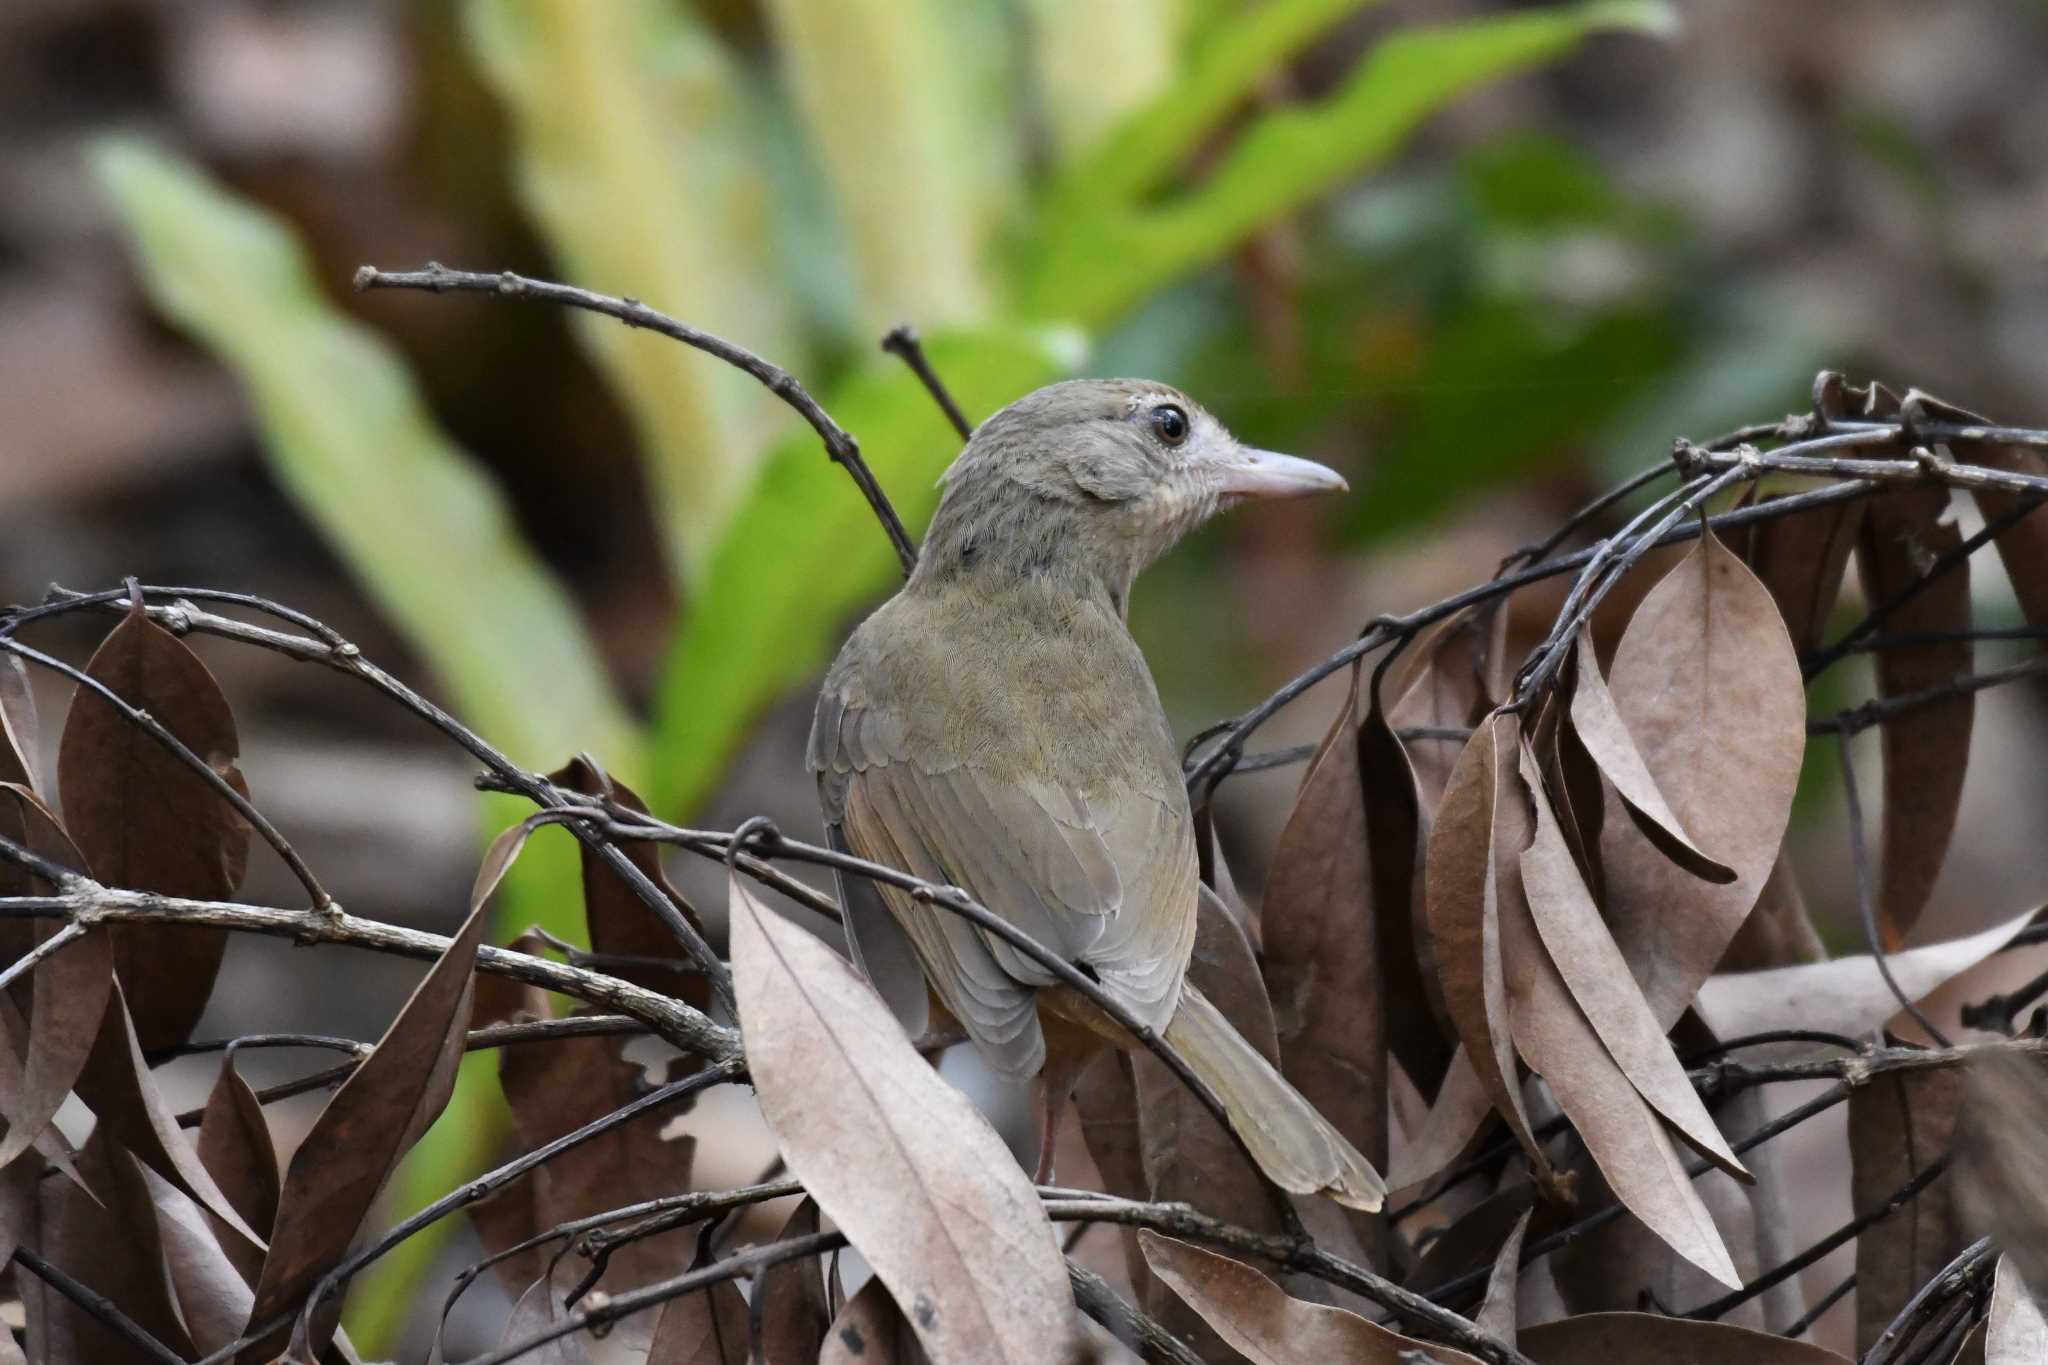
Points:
[994,727]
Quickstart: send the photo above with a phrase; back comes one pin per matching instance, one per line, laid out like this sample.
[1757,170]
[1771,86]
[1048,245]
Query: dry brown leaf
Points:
[212,1293]
[1107,1101]
[1497,1313]
[870,1328]
[534,1313]
[1900,1123]
[1188,1155]
[2015,1327]
[112,1245]
[1473,1240]
[790,1310]
[621,924]
[896,1157]
[396,1091]
[1466,857]
[1926,750]
[1843,995]
[1603,733]
[20,732]
[1321,938]
[1650,1339]
[1623,1265]
[707,1328]
[1393,834]
[1587,957]
[1625,1137]
[235,1146]
[2022,545]
[1706,680]
[2001,1174]
[71,989]
[1801,558]
[117,1085]
[1778,932]
[1446,690]
[1455,1115]
[145,820]
[1259,1319]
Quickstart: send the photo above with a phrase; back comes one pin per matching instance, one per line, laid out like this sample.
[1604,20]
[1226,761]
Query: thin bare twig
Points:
[329,649]
[903,342]
[668,1018]
[66,935]
[839,443]
[1144,1335]
[101,1308]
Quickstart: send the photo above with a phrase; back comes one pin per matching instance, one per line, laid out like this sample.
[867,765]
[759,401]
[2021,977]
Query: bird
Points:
[994,727]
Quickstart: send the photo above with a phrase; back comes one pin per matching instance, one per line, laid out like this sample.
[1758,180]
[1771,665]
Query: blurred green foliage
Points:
[1019,177]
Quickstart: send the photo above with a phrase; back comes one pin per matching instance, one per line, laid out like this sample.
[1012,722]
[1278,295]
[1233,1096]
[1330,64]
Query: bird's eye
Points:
[1169,424]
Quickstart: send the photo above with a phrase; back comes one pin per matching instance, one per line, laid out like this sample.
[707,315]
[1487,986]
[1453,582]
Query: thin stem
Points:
[839,443]
[903,342]
[42,952]
[1143,1335]
[1804,1323]
[97,1305]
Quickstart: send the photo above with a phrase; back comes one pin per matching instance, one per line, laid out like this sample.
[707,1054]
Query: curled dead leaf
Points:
[1707,683]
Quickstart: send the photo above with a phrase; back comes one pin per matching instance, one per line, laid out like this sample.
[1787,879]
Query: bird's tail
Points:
[1298,1149]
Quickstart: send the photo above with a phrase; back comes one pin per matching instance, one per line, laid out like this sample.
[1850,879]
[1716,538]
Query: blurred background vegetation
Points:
[1483,257]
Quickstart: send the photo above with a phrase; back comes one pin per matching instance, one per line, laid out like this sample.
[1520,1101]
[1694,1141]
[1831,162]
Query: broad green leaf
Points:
[899,107]
[1226,67]
[804,553]
[1096,258]
[420,526]
[640,157]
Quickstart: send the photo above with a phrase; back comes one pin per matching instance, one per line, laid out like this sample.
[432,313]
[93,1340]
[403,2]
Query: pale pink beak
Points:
[1249,473]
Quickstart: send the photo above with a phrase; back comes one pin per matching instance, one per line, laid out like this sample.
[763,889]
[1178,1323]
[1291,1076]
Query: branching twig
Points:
[839,443]
[328,648]
[668,1018]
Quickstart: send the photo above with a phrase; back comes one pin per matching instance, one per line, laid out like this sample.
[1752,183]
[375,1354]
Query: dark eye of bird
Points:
[1170,424]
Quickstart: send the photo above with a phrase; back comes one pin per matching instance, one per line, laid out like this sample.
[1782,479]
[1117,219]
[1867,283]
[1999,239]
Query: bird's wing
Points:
[1103,879]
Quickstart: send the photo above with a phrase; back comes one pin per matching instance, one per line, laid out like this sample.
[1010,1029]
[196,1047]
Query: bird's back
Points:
[1007,738]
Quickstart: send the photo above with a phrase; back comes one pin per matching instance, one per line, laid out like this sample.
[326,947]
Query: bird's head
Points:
[1098,476]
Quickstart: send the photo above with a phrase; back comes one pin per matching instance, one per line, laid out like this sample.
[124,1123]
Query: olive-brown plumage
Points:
[994,727]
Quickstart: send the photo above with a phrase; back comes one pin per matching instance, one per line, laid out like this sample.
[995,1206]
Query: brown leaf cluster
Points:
[1531,939]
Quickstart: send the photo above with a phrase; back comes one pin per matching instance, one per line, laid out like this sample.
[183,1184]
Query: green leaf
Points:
[640,157]
[420,526]
[1096,257]
[804,553]
[910,129]
[1225,69]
